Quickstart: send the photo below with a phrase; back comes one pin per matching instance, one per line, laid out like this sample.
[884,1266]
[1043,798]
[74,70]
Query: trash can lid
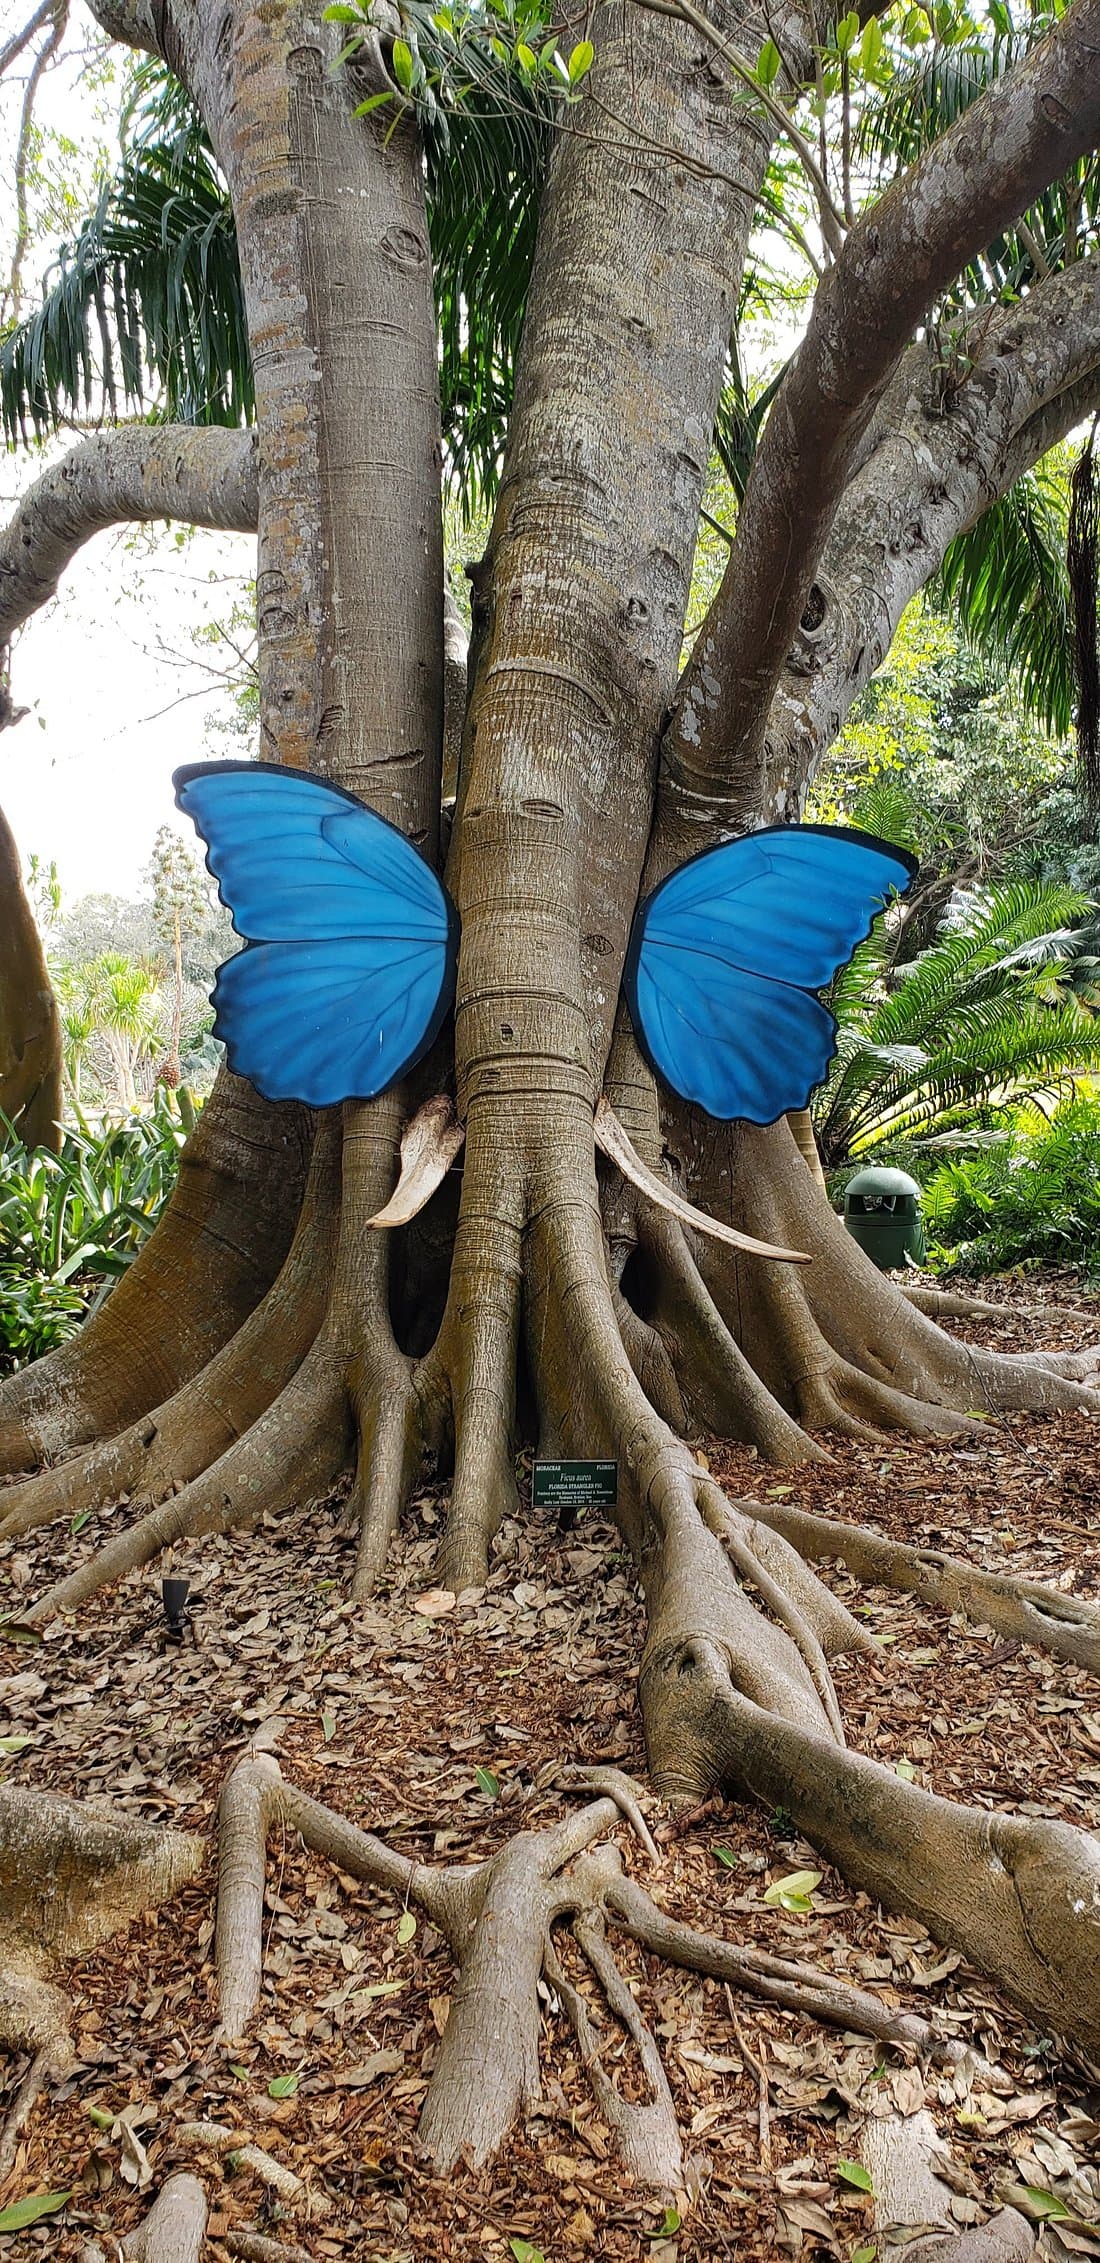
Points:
[881,1179]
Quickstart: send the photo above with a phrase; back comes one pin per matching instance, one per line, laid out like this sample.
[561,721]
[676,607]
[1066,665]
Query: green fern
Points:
[976,1022]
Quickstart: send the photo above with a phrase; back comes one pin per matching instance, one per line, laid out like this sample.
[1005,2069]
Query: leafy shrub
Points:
[1033,1199]
[71,1223]
[991,1014]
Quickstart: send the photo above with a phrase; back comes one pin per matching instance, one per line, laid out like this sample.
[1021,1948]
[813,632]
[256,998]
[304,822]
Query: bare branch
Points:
[20,40]
[1029,127]
[139,472]
[43,59]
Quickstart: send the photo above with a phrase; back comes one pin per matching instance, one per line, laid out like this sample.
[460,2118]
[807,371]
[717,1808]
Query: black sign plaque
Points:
[575,1485]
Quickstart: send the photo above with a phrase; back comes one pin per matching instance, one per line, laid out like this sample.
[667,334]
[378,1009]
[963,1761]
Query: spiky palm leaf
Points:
[1007,578]
[148,296]
[974,1020]
[147,300]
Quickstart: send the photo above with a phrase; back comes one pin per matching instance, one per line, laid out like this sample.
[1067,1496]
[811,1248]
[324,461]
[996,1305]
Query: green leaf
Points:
[1041,2203]
[525,2251]
[847,33]
[865,2254]
[100,2117]
[341,15]
[581,60]
[24,2212]
[14,1744]
[870,46]
[328,1726]
[362,110]
[406,1927]
[853,2172]
[526,58]
[906,1770]
[794,1892]
[726,1856]
[669,2224]
[401,63]
[282,2086]
[77,1524]
[241,2073]
[487,1782]
[768,62]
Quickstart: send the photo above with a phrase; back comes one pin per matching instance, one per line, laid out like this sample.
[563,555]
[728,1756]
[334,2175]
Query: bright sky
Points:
[112,681]
[108,669]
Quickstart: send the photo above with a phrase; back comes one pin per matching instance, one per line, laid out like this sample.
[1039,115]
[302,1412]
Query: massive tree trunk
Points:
[30,1028]
[631,1330]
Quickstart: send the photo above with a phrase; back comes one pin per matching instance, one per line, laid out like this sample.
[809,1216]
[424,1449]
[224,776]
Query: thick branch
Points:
[203,477]
[987,169]
[136,23]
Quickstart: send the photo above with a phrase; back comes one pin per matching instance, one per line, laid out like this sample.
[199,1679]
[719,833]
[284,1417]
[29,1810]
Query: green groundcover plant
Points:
[71,1223]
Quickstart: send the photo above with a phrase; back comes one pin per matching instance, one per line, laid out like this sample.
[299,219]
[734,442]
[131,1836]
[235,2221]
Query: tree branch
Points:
[59,13]
[20,40]
[205,477]
[1028,128]
[928,465]
[136,23]
[925,479]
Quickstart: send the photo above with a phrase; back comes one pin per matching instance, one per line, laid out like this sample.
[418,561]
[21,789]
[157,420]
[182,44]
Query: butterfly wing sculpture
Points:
[351,943]
[727,954]
[351,946]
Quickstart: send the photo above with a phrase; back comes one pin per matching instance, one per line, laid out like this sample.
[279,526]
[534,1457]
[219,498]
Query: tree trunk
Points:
[351,1345]
[30,1028]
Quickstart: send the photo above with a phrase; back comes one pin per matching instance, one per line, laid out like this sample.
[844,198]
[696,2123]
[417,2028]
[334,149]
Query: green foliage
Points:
[975,1023]
[148,293]
[71,1223]
[1007,579]
[1031,1199]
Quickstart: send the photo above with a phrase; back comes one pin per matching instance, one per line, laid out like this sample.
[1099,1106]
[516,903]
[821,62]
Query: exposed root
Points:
[47,2065]
[478,1351]
[787,1981]
[498,1917]
[947,1304]
[70,1877]
[1018,1895]
[1064,1625]
[647,2132]
[174,1444]
[217,2137]
[174,2231]
[215,1253]
[294,1452]
[901,2153]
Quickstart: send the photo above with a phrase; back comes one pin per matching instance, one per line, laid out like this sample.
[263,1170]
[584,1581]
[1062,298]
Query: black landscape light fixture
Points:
[174,1592]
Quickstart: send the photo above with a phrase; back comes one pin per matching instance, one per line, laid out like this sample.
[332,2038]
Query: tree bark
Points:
[30,1027]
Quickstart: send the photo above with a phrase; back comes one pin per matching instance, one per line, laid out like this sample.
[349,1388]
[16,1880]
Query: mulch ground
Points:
[388,1714]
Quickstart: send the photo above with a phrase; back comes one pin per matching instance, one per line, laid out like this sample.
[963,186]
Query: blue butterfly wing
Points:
[351,941]
[727,952]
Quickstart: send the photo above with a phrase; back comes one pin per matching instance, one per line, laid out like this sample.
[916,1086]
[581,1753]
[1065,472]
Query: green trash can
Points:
[882,1213]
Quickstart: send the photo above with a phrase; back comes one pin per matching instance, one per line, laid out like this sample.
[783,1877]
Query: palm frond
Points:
[146,301]
[147,298]
[1007,578]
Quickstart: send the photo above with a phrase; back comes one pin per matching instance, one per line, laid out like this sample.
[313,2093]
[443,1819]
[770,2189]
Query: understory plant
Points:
[71,1223]
[1030,1199]
[998,1009]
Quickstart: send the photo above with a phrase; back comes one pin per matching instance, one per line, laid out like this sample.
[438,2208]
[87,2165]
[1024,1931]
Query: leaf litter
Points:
[434,1720]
